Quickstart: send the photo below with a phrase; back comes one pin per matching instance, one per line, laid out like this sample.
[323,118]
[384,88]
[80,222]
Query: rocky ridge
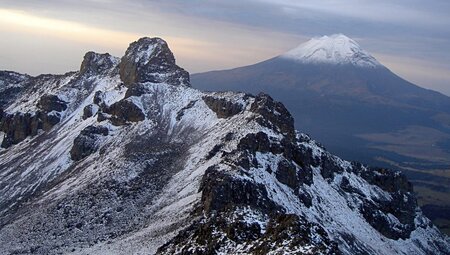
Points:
[140,162]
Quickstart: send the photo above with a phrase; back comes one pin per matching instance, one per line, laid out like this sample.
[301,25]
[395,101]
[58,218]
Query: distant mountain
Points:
[356,107]
[124,157]
[336,50]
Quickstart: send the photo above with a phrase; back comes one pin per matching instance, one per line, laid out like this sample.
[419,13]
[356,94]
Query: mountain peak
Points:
[97,63]
[151,60]
[333,49]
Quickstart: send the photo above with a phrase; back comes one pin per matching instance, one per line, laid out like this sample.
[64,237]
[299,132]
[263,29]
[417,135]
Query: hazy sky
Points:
[411,37]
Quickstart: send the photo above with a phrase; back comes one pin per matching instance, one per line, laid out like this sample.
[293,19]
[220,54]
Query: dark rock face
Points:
[402,204]
[123,112]
[376,217]
[135,89]
[285,233]
[329,167]
[98,98]
[222,197]
[347,187]
[94,63]
[388,180]
[274,115]
[88,111]
[150,60]
[220,192]
[283,226]
[17,127]
[50,103]
[222,107]
[255,142]
[287,174]
[86,142]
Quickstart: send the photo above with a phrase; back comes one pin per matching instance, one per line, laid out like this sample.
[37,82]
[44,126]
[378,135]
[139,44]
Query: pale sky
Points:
[411,37]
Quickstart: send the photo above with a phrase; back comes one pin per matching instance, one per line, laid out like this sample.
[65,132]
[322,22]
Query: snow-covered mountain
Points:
[334,49]
[124,157]
[360,110]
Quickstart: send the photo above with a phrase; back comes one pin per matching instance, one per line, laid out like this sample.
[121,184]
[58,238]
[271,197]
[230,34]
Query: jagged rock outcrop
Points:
[18,126]
[89,111]
[272,114]
[49,103]
[123,112]
[222,107]
[95,63]
[87,142]
[150,60]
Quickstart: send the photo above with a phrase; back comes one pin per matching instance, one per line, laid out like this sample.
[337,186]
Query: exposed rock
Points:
[222,107]
[274,115]
[214,151]
[305,198]
[283,227]
[329,167]
[347,187]
[378,218]
[188,106]
[88,111]
[101,116]
[49,120]
[150,60]
[135,89]
[99,98]
[221,191]
[388,180]
[124,111]
[86,142]
[255,142]
[17,127]
[95,63]
[287,174]
[50,103]
[283,234]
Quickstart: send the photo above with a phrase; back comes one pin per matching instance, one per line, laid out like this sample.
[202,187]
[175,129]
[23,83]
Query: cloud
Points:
[27,23]
[217,34]
[196,49]
[398,11]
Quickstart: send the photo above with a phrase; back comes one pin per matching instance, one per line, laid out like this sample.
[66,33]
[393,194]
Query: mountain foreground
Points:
[124,157]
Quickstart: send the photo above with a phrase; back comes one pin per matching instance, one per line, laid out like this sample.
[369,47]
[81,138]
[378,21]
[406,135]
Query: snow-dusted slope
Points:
[124,157]
[334,49]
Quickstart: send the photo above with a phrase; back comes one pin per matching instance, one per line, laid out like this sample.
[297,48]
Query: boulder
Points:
[48,103]
[87,142]
[124,111]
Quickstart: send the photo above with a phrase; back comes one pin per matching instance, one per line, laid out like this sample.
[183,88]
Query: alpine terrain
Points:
[358,109]
[125,157]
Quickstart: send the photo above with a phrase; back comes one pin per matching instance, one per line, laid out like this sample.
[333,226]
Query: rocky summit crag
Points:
[124,157]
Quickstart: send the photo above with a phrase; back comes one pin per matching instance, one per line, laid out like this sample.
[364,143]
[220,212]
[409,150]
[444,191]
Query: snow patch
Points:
[334,49]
